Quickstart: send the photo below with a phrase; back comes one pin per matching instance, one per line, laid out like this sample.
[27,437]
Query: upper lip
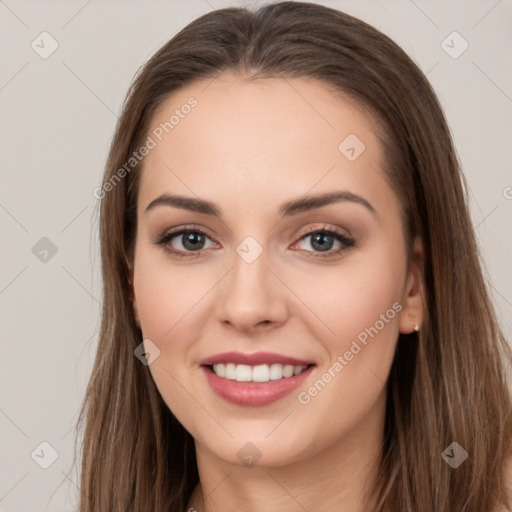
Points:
[253,359]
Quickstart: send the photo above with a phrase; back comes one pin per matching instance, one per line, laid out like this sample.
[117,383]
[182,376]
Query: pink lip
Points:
[254,393]
[253,359]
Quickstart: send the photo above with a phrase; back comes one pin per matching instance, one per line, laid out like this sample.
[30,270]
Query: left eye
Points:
[322,241]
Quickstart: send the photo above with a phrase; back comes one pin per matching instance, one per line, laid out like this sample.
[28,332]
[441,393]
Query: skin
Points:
[249,146]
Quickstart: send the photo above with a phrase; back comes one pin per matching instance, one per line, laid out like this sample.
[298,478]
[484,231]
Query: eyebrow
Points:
[287,209]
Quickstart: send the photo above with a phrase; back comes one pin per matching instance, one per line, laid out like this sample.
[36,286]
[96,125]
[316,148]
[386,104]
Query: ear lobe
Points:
[413,296]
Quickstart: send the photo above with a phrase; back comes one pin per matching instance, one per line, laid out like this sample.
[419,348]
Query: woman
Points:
[295,316]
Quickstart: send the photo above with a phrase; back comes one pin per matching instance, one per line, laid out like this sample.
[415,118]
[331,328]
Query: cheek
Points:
[165,294]
[353,297]
[359,304]
[361,349]
[362,306]
[165,299]
[173,304]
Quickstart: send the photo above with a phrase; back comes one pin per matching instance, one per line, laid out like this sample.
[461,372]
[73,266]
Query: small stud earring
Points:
[416,327]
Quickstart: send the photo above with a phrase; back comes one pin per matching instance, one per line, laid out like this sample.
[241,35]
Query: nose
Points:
[252,297]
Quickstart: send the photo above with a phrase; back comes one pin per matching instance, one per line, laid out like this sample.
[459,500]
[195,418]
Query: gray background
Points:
[58,115]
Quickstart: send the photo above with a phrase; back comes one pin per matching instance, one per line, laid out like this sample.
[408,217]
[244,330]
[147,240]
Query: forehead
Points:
[266,139]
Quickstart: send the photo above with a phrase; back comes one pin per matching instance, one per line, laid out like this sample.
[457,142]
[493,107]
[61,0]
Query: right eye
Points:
[192,242]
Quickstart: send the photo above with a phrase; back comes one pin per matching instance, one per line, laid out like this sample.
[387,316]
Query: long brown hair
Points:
[447,384]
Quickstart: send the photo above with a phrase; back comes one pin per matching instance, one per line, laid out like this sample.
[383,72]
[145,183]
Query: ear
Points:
[413,294]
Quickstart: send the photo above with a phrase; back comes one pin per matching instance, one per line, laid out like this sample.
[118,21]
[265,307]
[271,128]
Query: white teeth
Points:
[276,372]
[259,373]
[243,373]
[298,369]
[230,371]
[288,370]
[220,370]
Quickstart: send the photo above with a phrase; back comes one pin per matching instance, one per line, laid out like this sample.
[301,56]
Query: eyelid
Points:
[324,227]
[165,238]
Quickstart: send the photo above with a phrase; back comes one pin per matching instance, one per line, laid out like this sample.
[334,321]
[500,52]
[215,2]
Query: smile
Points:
[259,373]
[254,379]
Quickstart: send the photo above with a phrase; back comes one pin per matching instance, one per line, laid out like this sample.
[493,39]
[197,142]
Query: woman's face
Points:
[277,284]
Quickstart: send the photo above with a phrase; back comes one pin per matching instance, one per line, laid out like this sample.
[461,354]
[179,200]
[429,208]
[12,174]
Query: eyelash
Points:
[164,239]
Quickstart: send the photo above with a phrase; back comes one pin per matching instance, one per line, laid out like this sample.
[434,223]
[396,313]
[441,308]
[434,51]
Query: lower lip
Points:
[254,393]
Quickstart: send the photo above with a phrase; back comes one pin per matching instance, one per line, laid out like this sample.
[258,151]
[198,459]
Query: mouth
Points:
[259,373]
[254,379]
